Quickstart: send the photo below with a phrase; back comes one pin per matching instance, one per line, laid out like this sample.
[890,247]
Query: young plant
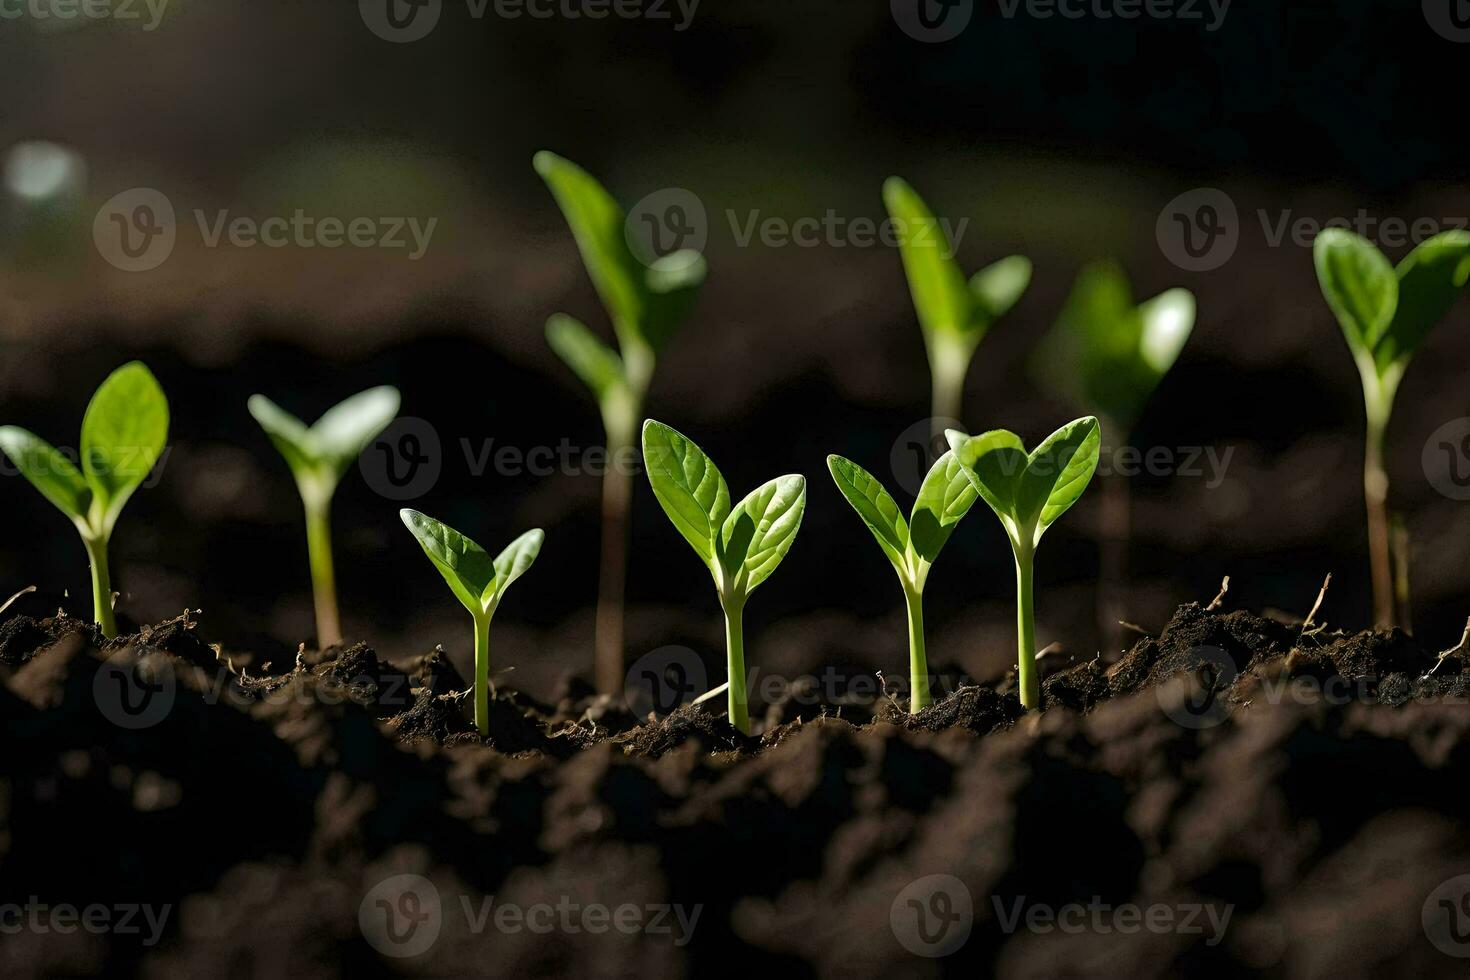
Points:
[646,298]
[913,545]
[318,456]
[1386,314]
[1108,355]
[478,582]
[955,315]
[1028,492]
[124,433]
[741,546]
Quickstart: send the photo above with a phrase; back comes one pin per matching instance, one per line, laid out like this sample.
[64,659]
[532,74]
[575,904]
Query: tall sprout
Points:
[1385,314]
[646,298]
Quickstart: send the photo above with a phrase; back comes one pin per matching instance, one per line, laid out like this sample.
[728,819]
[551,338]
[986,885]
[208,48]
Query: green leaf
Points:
[598,365]
[1030,491]
[759,532]
[598,225]
[945,497]
[874,505]
[1430,279]
[1107,355]
[325,450]
[124,434]
[673,284]
[942,298]
[466,566]
[998,287]
[688,486]
[512,563]
[48,471]
[1360,287]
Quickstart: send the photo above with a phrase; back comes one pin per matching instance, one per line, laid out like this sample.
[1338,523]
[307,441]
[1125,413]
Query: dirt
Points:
[1272,798]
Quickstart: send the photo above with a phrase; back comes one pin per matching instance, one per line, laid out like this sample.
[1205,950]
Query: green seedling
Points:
[1028,492]
[1107,354]
[646,298]
[954,314]
[318,456]
[1386,314]
[476,581]
[913,545]
[124,434]
[741,546]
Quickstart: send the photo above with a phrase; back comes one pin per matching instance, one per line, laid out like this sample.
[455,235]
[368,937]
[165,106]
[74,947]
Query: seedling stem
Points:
[101,585]
[318,509]
[736,700]
[1026,672]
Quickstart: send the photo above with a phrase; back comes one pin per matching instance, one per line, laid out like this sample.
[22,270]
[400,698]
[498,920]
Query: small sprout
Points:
[955,315]
[646,298]
[1028,492]
[1386,314]
[477,582]
[912,545]
[318,456]
[124,434]
[1107,354]
[741,546]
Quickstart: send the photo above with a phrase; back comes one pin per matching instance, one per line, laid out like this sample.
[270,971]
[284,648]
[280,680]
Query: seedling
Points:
[1028,492]
[954,315]
[646,298]
[1386,314]
[318,456]
[913,545]
[740,546]
[124,432]
[1107,355]
[476,581]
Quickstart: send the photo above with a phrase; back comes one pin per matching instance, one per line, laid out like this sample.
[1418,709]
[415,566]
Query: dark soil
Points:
[1305,789]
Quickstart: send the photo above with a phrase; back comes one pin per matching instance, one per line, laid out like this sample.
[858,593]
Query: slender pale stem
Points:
[323,575]
[1030,679]
[919,697]
[735,666]
[482,673]
[617,489]
[947,370]
[1375,495]
[101,585]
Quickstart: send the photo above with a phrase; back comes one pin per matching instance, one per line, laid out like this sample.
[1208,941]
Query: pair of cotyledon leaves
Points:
[740,545]
[646,296]
[124,434]
[1386,312]
[319,454]
[1108,353]
[477,580]
[1027,491]
[954,313]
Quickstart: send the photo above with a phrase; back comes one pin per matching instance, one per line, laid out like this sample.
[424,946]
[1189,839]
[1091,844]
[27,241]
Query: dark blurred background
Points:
[1061,138]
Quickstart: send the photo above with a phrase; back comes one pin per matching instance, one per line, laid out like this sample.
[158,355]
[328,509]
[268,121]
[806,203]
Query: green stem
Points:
[1375,496]
[101,585]
[919,697]
[323,576]
[482,673]
[735,667]
[947,370]
[617,492]
[1030,680]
